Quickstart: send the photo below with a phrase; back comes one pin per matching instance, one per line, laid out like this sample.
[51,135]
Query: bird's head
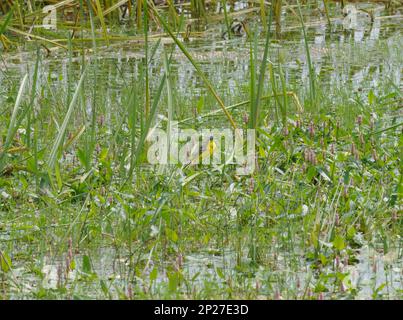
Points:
[349,9]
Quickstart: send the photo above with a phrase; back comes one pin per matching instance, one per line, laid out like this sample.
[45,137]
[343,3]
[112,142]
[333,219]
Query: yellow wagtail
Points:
[204,152]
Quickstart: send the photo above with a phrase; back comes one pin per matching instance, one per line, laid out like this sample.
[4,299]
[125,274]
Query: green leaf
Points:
[220,273]
[153,274]
[12,129]
[104,288]
[312,171]
[73,265]
[351,232]
[371,97]
[58,176]
[87,265]
[5,262]
[172,235]
[59,139]
[314,239]
[200,105]
[338,243]
[82,156]
[100,15]
[323,259]
[324,175]
[6,21]
[173,281]
[195,276]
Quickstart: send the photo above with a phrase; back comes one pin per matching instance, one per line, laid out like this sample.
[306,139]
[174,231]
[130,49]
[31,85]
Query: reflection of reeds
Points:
[74,15]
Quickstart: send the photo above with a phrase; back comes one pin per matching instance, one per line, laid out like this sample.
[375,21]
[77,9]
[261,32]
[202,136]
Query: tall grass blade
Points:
[33,94]
[277,15]
[227,23]
[170,101]
[252,83]
[12,128]
[327,12]
[100,15]
[147,84]
[6,22]
[198,69]
[139,5]
[259,92]
[263,15]
[285,96]
[312,90]
[59,139]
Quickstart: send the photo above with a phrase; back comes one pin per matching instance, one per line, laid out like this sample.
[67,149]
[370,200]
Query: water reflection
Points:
[338,57]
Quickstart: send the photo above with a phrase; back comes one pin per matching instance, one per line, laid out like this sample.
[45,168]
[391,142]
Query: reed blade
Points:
[59,139]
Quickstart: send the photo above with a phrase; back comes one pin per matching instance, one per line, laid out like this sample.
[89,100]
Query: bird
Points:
[355,18]
[187,34]
[197,156]
[237,28]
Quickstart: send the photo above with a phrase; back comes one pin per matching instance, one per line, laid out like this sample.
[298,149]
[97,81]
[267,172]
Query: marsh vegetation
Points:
[84,215]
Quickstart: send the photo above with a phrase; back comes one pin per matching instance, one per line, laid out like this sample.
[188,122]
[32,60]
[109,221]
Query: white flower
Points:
[233,212]
[154,231]
[22,131]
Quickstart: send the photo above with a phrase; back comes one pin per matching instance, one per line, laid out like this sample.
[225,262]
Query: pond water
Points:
[357,59]
[349,60]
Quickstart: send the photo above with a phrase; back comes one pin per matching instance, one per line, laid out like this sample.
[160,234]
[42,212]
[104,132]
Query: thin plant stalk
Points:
[198,69]
[227,23]
[59,139]
[12,129]
[312,89]
[256,105]
[100,15]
